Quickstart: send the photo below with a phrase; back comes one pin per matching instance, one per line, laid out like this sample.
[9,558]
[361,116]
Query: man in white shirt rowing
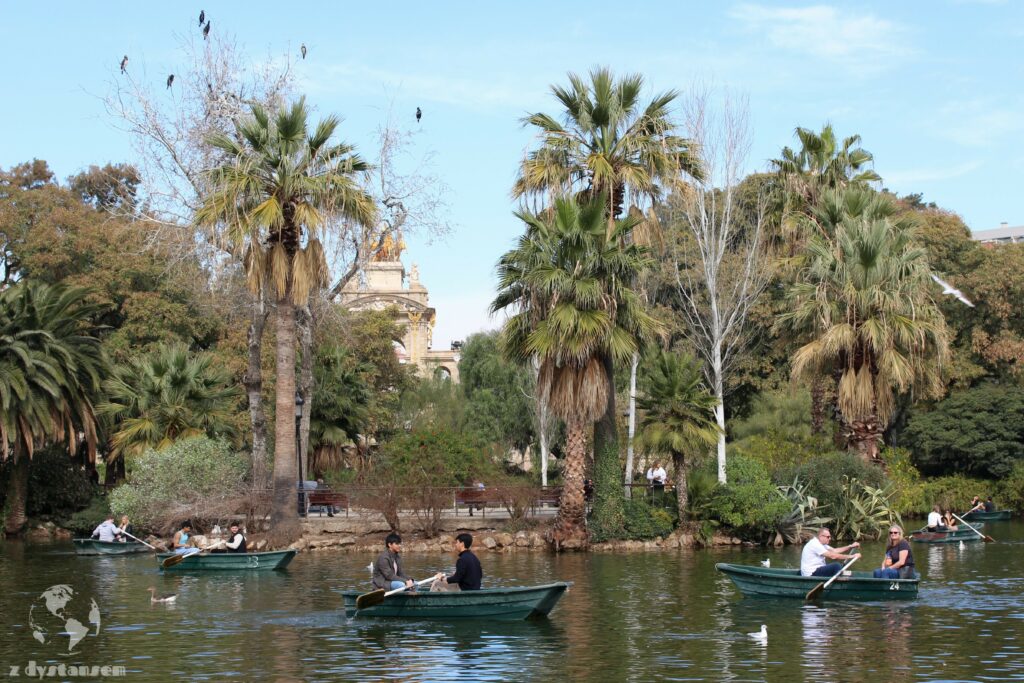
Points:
[817,551]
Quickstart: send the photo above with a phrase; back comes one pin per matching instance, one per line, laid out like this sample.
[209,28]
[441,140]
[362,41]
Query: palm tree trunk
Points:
[628,477]
[817,405]
[609,498]
[570,528]
[284,515]
[306,323]
[682,496]
[17,496]
[253,382]
[864,437]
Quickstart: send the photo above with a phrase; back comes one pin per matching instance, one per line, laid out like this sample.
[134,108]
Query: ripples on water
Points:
[642,617]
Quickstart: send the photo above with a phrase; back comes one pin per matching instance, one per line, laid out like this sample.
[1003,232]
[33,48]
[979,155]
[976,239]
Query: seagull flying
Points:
[302,49]
[419,114]
[202,16]
[761,636]
[124,63]
[206,30]
[170,80]
[766,563]
[950,289]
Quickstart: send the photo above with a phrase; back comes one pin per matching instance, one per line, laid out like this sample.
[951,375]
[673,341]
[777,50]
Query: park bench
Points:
[476,499]
[326,498]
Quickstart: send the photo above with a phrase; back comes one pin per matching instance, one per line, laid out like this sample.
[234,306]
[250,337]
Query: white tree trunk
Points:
[543,443]
[628,479]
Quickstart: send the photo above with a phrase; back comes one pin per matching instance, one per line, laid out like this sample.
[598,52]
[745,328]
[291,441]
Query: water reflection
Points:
[634,617]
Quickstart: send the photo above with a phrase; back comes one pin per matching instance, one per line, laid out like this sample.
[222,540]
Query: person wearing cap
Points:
[387,570]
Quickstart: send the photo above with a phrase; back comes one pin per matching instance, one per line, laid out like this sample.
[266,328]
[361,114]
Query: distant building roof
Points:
[1004,234]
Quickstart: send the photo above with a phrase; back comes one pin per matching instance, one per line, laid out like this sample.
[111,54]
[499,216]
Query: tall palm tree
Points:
[284,182]
[678,416]
[167,395]
[607,142]
[568,281]
[51,363]
[803,177]
[863,303]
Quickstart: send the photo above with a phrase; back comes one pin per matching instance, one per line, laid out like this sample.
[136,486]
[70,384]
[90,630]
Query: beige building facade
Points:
[385,283]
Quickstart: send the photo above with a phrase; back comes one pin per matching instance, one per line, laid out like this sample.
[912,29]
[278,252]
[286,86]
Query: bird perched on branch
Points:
[124,63]
[206,30]
[950,289]
[419,114]
[202,16]
[302,49]
[170,80]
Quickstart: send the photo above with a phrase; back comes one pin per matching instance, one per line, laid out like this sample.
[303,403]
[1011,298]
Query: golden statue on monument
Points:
[390,248]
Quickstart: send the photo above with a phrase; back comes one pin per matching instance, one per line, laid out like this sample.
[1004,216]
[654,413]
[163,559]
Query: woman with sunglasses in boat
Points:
[898,562]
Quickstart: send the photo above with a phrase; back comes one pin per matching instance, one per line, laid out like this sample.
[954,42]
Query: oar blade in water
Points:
[370,599]
[173,560]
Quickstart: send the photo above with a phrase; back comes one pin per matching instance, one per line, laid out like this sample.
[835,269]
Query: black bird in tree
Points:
[124,63]
[302,49]
[206,30]
[202,16]
[170,80]
[419,114]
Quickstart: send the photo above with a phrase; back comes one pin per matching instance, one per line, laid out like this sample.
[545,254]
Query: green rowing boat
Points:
[961,534]
[91,546]
[994,516]
[788,583]
[489,603]
[277,559]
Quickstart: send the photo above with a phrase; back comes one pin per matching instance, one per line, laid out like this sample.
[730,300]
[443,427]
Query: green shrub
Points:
[1009,492]
[57,485]
[979,432]
[607,517]
[195,478]
[84,521]
[749,503]
[823,476]
[863,511]
[642,521]
[907,485]
[953,492]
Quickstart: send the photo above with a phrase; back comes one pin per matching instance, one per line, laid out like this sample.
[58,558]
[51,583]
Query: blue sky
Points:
[934,88]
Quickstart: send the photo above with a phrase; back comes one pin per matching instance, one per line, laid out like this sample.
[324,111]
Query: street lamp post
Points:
[298,452]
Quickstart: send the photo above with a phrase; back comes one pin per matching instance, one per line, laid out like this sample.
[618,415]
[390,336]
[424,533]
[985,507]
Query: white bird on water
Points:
[154,598]
[766,562]
[950,289]
[761,636]
[962,546]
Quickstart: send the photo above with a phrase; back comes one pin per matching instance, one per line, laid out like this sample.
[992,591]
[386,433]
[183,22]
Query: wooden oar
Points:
[176,559]
[376,597]
[139,540]
[815,592]
[987,539]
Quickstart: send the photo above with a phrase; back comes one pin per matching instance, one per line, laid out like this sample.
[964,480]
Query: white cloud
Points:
[917,176]
[858,41]
[980,122]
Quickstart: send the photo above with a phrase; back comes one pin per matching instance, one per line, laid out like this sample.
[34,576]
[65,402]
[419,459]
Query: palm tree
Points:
[678,414]
[863,302]
[568,280]
[167,395]
[822,163]
[341,406]
[51,363]
[608,143]
[284,182]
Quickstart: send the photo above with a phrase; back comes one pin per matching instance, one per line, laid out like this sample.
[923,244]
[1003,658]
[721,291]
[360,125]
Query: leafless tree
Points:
[720,264]
[168,129]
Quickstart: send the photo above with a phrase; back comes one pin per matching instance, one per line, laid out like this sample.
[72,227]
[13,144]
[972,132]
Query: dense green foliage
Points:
[499,392]
[749,503]
[978,431]
[194,478]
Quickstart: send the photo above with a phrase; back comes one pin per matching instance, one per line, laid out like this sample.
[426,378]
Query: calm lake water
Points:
[637,617]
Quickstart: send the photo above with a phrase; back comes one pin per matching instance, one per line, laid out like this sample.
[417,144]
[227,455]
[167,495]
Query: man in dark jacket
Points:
[387,570]
[468,572]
